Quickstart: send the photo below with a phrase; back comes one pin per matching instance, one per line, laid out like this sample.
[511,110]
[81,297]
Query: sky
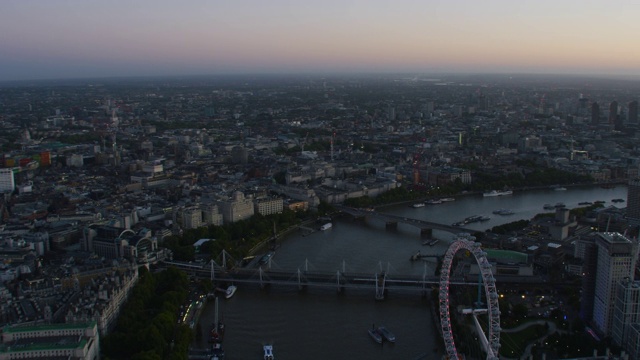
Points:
[58,39]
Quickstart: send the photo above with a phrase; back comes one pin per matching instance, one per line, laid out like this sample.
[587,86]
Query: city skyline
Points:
[77,39]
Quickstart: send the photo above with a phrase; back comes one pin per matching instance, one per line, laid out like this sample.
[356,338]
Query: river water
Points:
[321,324]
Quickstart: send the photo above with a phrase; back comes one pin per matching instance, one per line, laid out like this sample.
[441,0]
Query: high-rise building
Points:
[633,112]
[595,113]
[613,112]
[626,309]
[633,202]
[7,180]
[616,261]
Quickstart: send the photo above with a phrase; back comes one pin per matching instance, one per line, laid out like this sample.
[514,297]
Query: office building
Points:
[613,112]
[236,208]
[633,202]
[626,309]
[7,180]
[633,112]
[616,261]
[595,113]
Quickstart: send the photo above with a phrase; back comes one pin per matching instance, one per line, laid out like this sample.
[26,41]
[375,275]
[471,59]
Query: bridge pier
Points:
[391,225]
[426,233]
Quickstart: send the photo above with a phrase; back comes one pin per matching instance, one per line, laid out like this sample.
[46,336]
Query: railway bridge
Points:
[392,221]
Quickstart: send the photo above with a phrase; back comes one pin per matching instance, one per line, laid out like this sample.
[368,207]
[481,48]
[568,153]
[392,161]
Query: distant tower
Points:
[616,261]
[613,112]
[595,114]
[114,118]
[633,112]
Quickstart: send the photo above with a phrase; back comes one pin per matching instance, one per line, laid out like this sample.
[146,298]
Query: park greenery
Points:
[237,238]
[148,326]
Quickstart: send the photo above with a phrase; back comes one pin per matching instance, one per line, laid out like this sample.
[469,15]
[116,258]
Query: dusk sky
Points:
[52,39]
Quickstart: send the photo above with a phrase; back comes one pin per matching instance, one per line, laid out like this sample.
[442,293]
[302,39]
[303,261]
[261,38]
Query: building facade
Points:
[616,261]
[633,202]
[268,206]
[54,341]
[7,180]
[626,310]
[236,208]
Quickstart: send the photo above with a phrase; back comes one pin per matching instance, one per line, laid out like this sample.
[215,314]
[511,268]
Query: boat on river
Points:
[497,193]
[230,291]
[326,226]
[386,334]
[216,335]
[433,202]
[217,352]
[447,199]
[503,212]
[268,352]
[417,205]
[375,335]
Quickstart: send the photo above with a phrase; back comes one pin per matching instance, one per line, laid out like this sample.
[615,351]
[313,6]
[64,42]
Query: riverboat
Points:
[433,202]
[447,199]
[375,335]
[386,334]
[503,212]
[417,205]
[326,226]
[230,291]
[560,189]
[268,352]
[497,193]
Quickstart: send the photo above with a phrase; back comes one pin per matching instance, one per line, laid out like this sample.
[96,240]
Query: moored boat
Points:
[503,212]
[433,202]
[326,226]
[386,334]
[417,205]
[560,189]
[268,352]
[217,352]
[447,199]
[375,335]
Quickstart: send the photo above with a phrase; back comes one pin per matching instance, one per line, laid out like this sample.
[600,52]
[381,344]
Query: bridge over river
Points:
[392,221]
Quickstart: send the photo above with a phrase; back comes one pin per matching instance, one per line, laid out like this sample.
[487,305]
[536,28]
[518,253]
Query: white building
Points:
[616,261]
[7,180]
[268,206]
[237,208]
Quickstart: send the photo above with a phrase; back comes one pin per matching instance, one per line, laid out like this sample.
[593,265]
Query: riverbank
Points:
[604,185]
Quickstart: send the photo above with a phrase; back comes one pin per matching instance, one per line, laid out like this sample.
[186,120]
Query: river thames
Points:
[321,324]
